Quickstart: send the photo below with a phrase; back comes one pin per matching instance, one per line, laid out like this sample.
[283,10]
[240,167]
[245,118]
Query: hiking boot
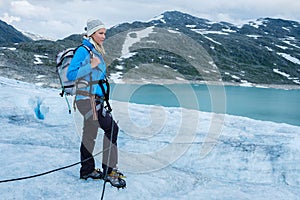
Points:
[96,174]
[116,179]
[116,171]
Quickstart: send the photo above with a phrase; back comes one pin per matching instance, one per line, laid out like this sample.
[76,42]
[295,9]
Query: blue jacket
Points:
[80,67]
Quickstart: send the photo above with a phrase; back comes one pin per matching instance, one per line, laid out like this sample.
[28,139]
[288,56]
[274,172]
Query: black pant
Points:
[89,135]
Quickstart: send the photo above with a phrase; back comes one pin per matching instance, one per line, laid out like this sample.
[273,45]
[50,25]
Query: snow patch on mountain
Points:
[290,58]
[36,37]
[134,37]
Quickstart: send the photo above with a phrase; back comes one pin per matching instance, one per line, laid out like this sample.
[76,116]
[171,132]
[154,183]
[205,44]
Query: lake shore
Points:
[181,81]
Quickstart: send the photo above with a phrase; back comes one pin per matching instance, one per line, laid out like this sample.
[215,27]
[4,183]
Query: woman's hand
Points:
[95,61]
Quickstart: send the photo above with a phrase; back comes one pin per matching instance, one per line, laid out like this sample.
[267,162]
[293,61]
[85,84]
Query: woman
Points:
[89,69]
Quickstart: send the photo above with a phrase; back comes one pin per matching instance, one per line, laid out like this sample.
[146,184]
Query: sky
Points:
[58,19]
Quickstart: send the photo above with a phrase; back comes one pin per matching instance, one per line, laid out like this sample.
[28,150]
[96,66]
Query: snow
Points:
[282,47]
[128,55]
[228,30]
[288,76]
[166,153]
[173,31]
[158,18]
[119,67]
[36,37]
[9,48]
[180,79]
[38,60]
[254,36]
[129,41]
[281,73]
[268,48]
[116,77]
[40,76]
[291,44]
[245,83]
[287,29]
[190,26]
[290,58]
[257,23]
[235,77]
[204,32]
[214,41]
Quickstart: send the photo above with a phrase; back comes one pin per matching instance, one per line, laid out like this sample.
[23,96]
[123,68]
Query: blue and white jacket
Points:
[80,68]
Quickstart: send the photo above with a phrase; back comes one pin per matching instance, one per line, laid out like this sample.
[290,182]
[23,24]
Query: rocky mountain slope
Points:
[9,34]
[174,47]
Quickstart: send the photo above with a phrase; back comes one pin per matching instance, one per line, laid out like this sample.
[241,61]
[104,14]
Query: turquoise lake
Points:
[277,105]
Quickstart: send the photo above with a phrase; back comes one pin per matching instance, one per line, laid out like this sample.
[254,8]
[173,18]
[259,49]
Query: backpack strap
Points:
[76,83]
[94,97]
[86,47]
[106,94]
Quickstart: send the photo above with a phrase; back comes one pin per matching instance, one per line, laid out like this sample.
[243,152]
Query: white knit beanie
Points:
[93,25]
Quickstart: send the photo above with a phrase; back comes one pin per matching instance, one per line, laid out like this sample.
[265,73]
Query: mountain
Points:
[176,46]
[34,36]
[8,34]
[264,51]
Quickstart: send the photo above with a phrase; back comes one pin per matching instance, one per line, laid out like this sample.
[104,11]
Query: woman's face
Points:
[99,36]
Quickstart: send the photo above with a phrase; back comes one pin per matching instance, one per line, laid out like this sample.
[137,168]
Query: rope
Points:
[68,166]
[51,171]
[103,190]
[108,160]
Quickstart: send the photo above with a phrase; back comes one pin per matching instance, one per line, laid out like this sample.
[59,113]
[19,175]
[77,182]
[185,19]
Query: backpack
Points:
[63,60]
